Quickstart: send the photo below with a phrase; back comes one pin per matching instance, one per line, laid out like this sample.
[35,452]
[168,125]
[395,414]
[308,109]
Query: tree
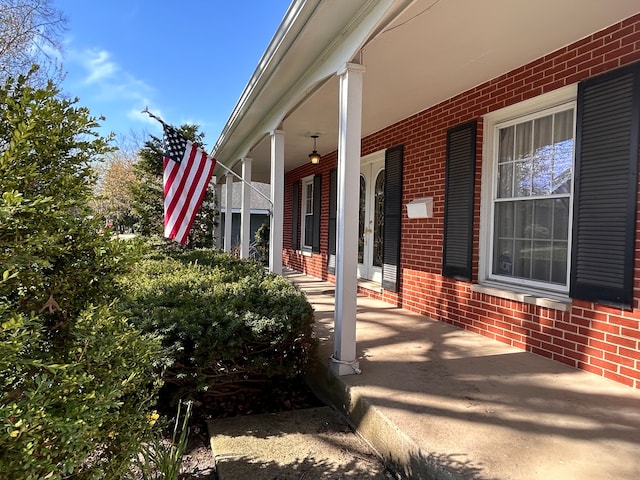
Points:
[148,202]
[77,380]
[48,145]
[30,33]
[116,179]
[114,194]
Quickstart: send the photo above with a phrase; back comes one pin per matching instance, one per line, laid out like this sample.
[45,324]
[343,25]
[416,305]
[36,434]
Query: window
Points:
[531,168]
[559,190]
[307,213]
[533,182]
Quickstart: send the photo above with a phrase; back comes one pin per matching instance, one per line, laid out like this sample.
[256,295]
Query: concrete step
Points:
[313,443]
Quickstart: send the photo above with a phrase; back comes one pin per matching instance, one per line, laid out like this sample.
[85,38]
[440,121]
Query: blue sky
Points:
[187,61]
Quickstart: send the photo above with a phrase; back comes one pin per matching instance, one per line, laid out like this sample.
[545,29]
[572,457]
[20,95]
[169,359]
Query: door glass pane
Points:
[361,220]
[378,220]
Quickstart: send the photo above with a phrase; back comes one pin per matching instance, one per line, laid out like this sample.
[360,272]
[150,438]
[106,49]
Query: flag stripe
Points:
[196,200]
[187,173]
[186,176]
[179,213]
[170,172]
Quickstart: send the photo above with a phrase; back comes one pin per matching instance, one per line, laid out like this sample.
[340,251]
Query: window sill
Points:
[562,304]
[370,285]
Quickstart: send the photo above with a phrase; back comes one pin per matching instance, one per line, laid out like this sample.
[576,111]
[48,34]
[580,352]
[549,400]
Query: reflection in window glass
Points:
[378,221]
[533,196]
[308,215]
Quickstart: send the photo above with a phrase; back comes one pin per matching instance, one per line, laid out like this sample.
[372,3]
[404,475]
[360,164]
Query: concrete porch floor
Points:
[437,402]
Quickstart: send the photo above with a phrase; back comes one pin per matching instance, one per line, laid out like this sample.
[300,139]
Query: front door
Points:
[371,219]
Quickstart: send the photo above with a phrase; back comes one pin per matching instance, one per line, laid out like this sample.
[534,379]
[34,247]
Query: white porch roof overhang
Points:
[417,53]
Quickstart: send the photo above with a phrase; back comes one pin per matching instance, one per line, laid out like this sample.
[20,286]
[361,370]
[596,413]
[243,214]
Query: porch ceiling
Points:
[430,51]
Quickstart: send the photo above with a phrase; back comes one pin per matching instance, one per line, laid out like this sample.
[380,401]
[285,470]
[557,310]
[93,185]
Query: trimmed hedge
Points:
[226,323]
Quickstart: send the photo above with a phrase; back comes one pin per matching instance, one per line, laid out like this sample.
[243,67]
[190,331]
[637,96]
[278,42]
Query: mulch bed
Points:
[276,396]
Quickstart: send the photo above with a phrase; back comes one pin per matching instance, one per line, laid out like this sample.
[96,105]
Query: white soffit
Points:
[429,52]
[315,39]
[440,48]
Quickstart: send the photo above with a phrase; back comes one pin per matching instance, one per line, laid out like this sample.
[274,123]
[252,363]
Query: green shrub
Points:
[262,243]
[49,243]
[226,322]
[77,380]
[80,411]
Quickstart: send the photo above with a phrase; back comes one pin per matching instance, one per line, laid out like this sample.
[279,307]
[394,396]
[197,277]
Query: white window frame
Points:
[565,98]
[306,244]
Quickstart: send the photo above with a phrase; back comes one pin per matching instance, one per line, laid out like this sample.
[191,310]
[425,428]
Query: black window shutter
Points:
[295,214]
[604,206]
[333,213]
[392,217]
[317,202]
[458,201]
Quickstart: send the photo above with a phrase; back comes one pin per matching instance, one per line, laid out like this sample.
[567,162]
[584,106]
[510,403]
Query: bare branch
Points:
[30,33]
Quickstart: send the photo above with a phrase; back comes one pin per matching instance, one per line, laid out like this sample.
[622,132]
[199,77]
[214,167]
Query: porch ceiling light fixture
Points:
[314,156]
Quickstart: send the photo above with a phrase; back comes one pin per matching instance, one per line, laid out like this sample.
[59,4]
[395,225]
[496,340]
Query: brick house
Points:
[479,167]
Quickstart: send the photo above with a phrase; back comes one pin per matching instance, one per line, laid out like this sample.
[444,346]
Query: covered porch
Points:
[438,402]
[339,72]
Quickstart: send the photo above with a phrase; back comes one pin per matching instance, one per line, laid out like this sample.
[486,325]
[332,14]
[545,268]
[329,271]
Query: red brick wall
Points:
[596,338]
[311,264]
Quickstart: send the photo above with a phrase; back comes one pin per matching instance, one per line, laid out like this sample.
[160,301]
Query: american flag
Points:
[187,172]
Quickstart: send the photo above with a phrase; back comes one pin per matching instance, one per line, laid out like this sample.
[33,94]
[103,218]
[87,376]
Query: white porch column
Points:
[217,229]
[277,198]
[228,215]
[343,361]
[245,209]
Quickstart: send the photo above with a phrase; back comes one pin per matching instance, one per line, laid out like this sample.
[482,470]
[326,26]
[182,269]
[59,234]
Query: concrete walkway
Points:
[441,403]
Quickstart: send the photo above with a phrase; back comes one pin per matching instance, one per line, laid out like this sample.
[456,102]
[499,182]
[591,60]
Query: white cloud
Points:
[96,77]
[108,80]
[99,66]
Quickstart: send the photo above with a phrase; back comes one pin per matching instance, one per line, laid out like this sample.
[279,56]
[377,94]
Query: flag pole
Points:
[146,110]
[245,182]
